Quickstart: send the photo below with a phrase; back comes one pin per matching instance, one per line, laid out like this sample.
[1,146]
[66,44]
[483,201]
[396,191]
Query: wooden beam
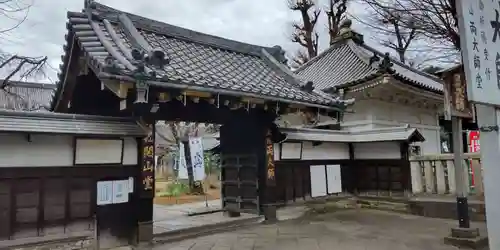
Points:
[119,88]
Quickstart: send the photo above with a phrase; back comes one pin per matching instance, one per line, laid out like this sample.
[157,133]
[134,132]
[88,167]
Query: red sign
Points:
[474,141]
[474,147]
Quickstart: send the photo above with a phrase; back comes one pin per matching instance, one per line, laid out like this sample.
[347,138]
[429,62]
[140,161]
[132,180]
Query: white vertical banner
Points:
[182,165]
[197,159]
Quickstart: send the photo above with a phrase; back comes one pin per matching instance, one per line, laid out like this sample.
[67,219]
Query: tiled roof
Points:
[196,60]
[402,133]
[351,61]
[58,123]
[27,96]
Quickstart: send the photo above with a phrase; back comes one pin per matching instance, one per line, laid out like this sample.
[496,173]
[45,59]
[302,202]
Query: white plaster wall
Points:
[381,114]
[377,150]
[324,151]
[50,151]
[339,151]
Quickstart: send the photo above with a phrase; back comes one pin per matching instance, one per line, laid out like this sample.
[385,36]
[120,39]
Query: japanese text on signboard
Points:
[271,175]
[480,34]
[148,158]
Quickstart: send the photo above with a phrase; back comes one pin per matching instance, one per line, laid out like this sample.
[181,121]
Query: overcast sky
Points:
[262,22]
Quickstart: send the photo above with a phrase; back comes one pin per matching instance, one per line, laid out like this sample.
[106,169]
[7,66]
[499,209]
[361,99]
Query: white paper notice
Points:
[197,159]
[130,184]
[120,191]
[104,193]
[182,168]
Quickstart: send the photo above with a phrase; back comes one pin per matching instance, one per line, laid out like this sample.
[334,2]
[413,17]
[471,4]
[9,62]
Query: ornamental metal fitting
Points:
[490,128]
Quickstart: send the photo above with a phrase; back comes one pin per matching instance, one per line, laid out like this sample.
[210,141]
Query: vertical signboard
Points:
[479,23]
[271,171]
[480,35]
[147,170]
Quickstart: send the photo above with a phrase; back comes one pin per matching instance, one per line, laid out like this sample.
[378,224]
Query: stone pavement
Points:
[175,217]
[354,229]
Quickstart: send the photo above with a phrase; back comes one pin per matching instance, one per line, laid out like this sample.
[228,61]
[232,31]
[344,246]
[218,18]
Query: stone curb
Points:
[60,240]
[188,233]
[210,211]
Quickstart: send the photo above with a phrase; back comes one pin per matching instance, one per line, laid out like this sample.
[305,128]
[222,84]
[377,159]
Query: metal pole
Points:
[458,161]
[489,121]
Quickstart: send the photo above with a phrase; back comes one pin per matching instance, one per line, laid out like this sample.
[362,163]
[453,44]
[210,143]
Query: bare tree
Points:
[434,19]
[336,13]
[304,32]
[397,33]
[174,133]
[11,64]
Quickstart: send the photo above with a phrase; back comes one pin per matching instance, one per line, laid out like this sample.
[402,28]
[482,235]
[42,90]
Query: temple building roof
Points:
[349,61]
[114,41]
[26,96]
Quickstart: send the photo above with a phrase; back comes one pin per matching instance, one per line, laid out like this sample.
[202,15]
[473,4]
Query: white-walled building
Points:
[387,93]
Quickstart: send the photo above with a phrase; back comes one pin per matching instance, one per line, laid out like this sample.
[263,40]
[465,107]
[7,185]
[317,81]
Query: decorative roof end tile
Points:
[308,87]
[346,32]
[386,64]
[279,54]
[111,66]
[157,58]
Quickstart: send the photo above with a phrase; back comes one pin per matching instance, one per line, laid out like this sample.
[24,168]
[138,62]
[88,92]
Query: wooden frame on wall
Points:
[291,158]
[76,139]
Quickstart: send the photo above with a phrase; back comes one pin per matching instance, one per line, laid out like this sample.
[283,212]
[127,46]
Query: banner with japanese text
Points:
[197,158]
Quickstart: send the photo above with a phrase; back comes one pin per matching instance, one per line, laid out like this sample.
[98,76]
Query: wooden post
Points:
[146,186]
[270,208]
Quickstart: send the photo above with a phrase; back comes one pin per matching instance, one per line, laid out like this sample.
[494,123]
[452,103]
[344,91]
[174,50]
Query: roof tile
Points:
[348,61]
[26,96]
[199,59]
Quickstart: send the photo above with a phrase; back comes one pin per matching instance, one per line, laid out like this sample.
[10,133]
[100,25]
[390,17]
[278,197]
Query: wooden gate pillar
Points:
[145,186]
[269,206]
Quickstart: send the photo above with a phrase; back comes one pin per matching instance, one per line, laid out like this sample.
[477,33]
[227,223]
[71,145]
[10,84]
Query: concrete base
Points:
[232,214]
[466,237]
[145,232]
[270,214]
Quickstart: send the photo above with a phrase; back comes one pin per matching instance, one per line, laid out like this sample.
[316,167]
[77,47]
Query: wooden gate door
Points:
[240,183]
[243,152]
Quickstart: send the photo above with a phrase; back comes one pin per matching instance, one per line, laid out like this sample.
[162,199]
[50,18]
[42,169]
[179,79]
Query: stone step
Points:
[395,206]
[189,233]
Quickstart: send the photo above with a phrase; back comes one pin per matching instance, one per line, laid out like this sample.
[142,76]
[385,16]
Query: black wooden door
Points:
[240,183]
